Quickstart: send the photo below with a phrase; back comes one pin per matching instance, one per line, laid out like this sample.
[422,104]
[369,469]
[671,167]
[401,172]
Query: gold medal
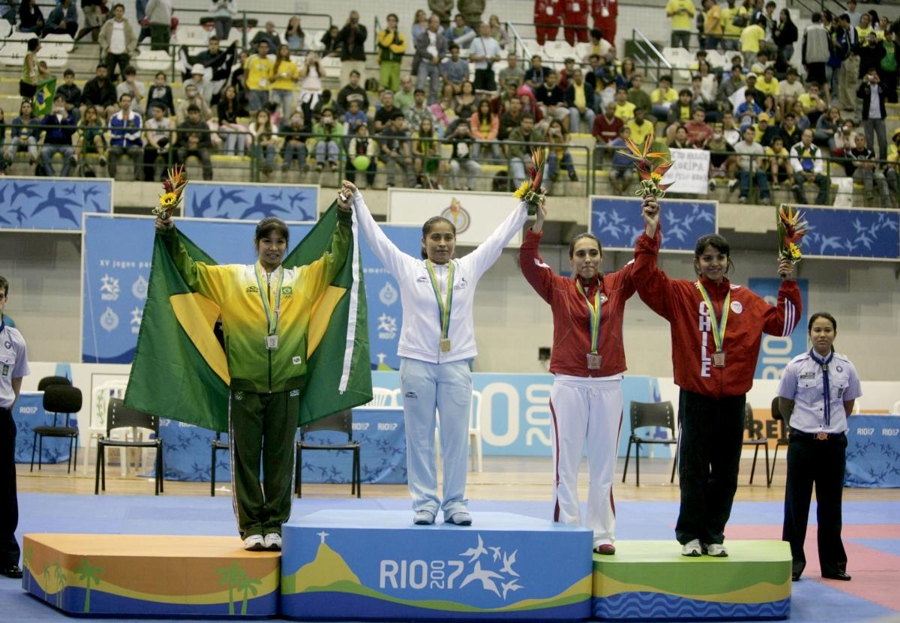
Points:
[719,359]
[445,345]
[593,361]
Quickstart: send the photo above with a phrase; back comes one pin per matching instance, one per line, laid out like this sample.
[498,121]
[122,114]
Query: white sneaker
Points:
[273,541]
[712,185]
[732,184]
[717,550]
[254,543]
[692,549]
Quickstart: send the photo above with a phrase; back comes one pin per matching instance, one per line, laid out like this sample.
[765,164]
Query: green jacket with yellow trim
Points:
[234,288]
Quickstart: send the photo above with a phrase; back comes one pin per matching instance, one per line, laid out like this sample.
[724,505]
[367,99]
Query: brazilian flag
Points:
[43,98]
[180,371]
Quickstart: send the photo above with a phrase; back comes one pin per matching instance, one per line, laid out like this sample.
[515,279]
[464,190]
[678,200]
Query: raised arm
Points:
[482,258]
[652,284]
[538,274]
[396,261]
[782,319]
[323,271]
[206,279]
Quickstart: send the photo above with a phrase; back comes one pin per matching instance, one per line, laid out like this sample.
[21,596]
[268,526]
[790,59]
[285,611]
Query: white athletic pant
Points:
[588,411]
[429,388]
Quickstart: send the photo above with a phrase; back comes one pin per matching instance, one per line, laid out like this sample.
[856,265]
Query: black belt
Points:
[817,436]
[4,410]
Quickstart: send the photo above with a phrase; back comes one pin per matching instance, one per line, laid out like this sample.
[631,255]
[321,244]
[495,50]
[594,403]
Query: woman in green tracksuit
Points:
[265,310]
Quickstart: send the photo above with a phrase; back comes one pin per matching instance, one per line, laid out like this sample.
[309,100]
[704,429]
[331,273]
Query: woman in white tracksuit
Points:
[436,344]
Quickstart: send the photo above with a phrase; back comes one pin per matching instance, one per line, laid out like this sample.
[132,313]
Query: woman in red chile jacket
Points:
[716,330]
[588,361]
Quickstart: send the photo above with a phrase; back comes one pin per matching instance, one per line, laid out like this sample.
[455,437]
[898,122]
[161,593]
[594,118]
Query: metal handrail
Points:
[646,46]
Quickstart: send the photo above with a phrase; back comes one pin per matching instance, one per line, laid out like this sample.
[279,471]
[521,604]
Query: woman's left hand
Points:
[785,270]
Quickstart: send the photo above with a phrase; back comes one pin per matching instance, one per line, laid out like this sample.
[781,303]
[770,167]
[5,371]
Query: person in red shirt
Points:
[605,14]
[605,131]
[716,329]
[575,20]
[588,361]
[699,132]
[547,16]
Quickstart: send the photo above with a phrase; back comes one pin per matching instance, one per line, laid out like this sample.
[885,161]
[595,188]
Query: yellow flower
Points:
[522,190]
[795,251]
[168,199]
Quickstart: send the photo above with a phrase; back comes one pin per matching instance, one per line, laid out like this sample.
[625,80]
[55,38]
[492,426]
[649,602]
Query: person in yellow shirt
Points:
[284,77]
[778,163]
[713,28]
[681,12]
[768,85]
[733,31]
[751,37]
[258,69]
[661,99]
[640,127]
[891,170]
[391,46]
[624,108]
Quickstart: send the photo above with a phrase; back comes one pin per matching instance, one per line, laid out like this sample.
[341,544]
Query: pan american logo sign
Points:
[457,214]
[482,566]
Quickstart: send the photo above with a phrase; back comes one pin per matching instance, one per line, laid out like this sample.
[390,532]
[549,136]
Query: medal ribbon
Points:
[826,388]
[443,305]
[718,324]
[271,317]
[595,311]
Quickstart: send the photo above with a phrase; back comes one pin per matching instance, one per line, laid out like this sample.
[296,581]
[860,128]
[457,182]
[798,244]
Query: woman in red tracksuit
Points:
[588,360]
[716,331]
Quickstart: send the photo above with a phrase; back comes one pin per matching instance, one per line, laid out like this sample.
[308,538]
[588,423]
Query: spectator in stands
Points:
[679,139]
[624,108]
[294,36]
[472,11]
[426,150]
[827,127]
[29,79]
[771,107]
[125,128]
[751,38]
[327,133]
[680,112]
[558,154]
[353,91]
[865,169]
[813,106]
[872,94]
[750,166]
[326,102]
[681,12]
[537,73]
[420,25]
[888,66]
[730,85]
[640,127]
[362,145]
[790,88]
[193,139]
[192,97]
[806,161]
[485,128]
[224,12]
[31,18]
[510,119]
[483,53]
[386,112]
[891,170]
[731,134]
[462,145]
[637,95]
[284,77]
[606,130]
[258,70]
[231,130]
[513,72]
[460,33]
[24,133]
[159,16]
[768,85]
[522,139]
[354,118]
[331,43]
[406,96]
[552,99]
[734,19]
[722,162]
[294,133]
[395,150]
[431,47]
[391,47]
[625,77]
[199,79]
[72,93]
[466,102]
[444,115]
[58,129]
[134,87]
[698,131]
[598,46]
[845,45]
[100,92]
[352,39]
[498,32]
[419,111]
[816,52]
[713,27]
[621,168]
[767,130]
[443,9]
[454,71]
[790,131]
[749,110]
[63,20]
[158,137]
[269,35]
[118,42]
[785,35]
[90,139]
[211,54]
[662,98]
[162,93]
[264,137]
[580,101]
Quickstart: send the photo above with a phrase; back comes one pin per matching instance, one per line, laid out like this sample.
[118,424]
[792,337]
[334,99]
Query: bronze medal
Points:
[719,359]
[593,361]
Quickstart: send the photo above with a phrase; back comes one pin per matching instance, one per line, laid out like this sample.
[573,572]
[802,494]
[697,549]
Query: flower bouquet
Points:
[531,191]
[650,165]
[173,186]
[791,230]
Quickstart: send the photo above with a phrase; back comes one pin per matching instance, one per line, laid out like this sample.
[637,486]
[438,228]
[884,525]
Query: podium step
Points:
[363,565]
[651,580]
[135,575]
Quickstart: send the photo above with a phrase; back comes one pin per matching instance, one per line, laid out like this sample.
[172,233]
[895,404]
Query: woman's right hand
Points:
[164,224]
[650,212]
[539,217]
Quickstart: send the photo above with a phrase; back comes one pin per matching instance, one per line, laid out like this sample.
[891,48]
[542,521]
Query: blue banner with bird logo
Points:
[51,205]
[251,201]
[617,222]
[860,233]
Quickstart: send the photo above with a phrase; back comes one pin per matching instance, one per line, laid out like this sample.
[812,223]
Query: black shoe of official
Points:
[840,575]
[11,571]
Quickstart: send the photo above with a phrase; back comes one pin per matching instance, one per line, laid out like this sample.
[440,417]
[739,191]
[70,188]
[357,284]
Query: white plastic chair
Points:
[559,50]
[99,405]
[857,408]
[5,29]
[154,60]
[331,66]
[382,397]
[57,42]
[314,40]
[475,452]
[895,410]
